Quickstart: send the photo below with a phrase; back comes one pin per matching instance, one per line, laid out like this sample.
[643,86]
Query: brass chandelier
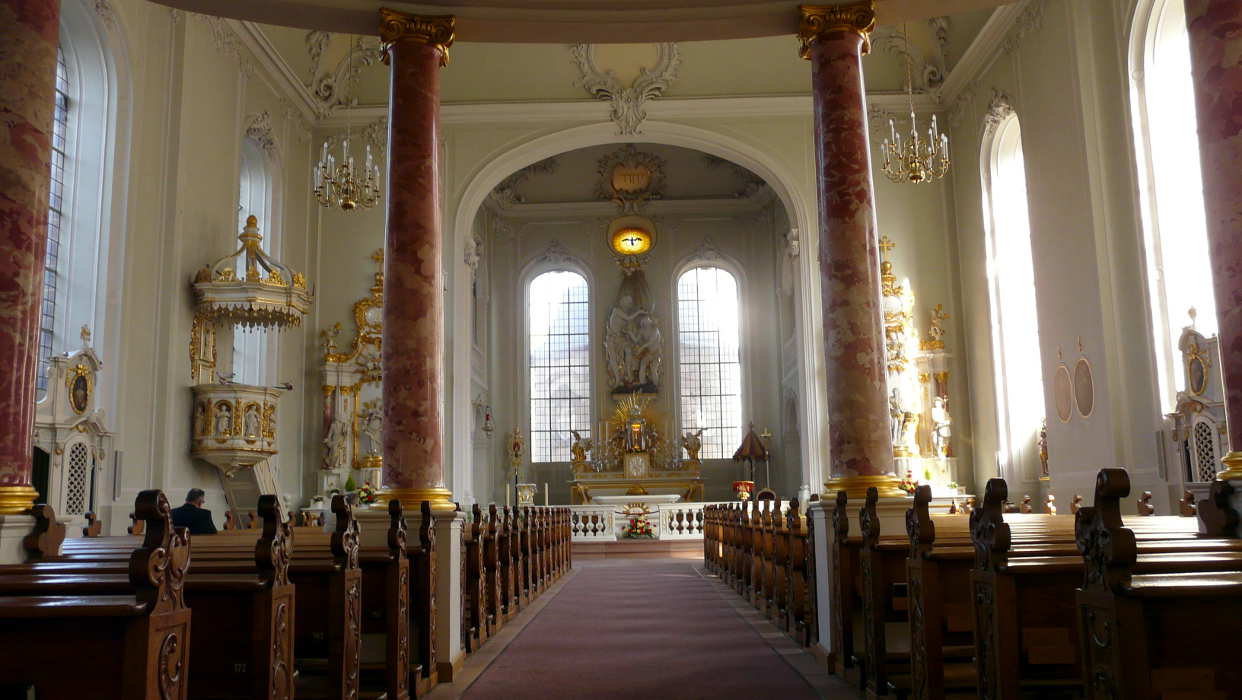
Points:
[340,184]
[912,159]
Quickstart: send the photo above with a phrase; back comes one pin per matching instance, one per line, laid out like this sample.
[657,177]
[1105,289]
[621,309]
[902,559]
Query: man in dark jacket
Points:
[193,515]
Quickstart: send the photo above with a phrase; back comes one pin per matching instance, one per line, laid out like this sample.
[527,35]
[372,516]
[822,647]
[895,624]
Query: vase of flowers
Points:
[367,493]
[639,527]
[909,484]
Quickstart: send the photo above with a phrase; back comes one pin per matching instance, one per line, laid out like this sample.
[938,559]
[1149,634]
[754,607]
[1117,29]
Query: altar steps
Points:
[639,549]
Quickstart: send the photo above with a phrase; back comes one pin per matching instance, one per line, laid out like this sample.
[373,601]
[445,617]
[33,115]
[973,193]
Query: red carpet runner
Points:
[638,629]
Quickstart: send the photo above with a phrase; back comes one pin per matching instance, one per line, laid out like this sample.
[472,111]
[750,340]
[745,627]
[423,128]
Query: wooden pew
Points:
[386,610]
[242,587]
[129,634]
[505,548]
[476,625]
[422,597]
[328,621]
[493,603]
[1150,636]
[845,592]
[1025,608]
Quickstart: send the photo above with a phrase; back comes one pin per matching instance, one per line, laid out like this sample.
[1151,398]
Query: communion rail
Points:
[669,521]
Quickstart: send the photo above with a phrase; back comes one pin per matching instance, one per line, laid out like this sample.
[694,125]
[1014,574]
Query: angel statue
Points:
[578,450]
[693,442]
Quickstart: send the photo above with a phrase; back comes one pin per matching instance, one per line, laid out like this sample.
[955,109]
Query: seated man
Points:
[193,515]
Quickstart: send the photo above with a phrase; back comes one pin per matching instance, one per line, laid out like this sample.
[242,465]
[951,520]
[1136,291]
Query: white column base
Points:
[449,651]
[820,514]
[14,529]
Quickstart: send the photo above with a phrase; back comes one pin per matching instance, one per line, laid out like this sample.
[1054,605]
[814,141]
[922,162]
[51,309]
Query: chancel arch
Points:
[788,189]
[1012,297]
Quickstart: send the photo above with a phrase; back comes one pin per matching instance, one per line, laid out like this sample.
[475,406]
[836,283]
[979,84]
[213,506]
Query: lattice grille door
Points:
[1205,456]
[77,478]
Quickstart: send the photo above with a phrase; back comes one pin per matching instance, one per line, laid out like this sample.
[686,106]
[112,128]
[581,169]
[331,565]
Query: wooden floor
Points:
[639,549]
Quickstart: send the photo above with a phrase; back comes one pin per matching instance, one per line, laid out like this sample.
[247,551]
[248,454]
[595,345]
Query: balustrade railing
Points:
[669,521]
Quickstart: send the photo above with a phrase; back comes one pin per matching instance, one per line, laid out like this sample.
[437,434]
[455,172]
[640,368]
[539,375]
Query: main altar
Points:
[634,461]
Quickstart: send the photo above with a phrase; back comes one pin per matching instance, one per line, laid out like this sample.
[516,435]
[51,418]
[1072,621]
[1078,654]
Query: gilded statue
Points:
[578,450]
[692,442]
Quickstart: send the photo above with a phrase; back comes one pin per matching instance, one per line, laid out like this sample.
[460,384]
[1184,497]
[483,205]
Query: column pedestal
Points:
[13,529]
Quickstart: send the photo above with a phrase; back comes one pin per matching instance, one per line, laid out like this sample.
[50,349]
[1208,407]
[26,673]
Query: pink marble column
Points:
[861,450]
[29,31]
[1215,46]
[413,341]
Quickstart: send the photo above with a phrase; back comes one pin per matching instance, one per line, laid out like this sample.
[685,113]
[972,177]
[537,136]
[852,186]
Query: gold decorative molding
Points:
[16,499]
[1233,467]
[436,31]
[818,20]
[856,486]
[441,498]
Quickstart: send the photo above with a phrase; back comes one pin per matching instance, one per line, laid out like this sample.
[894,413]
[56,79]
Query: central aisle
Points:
[638,628]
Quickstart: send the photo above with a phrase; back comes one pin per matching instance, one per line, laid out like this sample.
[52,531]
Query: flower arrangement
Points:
[908,484]
[367,493]
[639,526]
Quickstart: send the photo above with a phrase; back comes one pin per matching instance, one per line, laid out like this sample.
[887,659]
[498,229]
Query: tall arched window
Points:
[251,364]
[76,263]
[1011,271]
[709,359]
[55,221]
[1171,183]
[559,362]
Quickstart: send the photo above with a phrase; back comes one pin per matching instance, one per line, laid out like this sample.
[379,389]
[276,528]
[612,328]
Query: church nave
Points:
[623,628]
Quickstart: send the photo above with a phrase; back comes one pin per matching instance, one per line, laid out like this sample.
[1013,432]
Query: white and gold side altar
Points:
[921,422]
[233,424]
[353,418]
[71,429]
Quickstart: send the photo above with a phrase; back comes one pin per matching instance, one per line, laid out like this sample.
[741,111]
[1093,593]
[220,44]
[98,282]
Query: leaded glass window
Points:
[709,360]
[559,362]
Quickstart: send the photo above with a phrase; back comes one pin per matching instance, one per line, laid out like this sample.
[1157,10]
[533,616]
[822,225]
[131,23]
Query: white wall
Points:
[186,101]
[1064,68]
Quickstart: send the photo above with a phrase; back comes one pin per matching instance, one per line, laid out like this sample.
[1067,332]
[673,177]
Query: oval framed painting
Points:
[1061,389]
[1197,369]
[1084,387]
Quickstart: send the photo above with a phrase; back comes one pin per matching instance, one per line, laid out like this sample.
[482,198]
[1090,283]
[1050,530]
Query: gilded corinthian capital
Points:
[818,20]
[436,31]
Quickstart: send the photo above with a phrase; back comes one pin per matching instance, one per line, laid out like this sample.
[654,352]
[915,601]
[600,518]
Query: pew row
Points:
[130,632]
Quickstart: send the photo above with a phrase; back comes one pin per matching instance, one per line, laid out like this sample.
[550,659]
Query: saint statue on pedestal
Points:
[942,428]
[334,445]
